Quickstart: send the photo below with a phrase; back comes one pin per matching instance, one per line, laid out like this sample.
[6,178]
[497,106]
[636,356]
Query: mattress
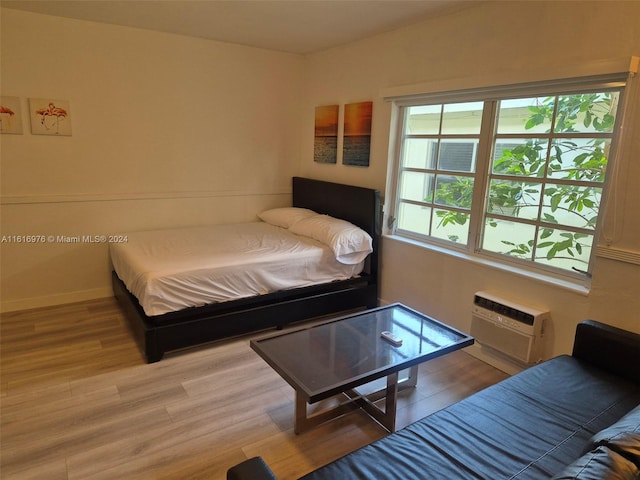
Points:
[169,270]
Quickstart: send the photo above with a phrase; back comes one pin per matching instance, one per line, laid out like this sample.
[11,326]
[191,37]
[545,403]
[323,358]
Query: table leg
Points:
[386,417]
[411,380]
[305,422]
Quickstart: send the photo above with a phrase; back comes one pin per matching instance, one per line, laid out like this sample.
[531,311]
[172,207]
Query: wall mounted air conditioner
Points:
[512,329]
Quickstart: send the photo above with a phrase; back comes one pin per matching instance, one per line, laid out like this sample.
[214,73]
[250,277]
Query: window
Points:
[517,175]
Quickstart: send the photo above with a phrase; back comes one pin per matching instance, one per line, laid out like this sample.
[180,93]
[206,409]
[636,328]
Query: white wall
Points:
[166,131]
[169,130]
[489,42]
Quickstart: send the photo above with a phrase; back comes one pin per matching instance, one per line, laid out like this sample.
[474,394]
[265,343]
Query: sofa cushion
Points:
[600,464]
[623,436]
[534,423]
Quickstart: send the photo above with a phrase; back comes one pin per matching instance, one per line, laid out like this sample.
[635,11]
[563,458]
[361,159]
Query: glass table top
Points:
[327,359]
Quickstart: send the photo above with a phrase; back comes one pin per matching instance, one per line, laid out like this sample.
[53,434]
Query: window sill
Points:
[572,286]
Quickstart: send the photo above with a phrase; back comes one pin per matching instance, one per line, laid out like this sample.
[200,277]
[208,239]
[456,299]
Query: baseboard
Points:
[51,300]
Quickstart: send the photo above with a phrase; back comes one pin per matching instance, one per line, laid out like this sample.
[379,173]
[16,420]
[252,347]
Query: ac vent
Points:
[503,309]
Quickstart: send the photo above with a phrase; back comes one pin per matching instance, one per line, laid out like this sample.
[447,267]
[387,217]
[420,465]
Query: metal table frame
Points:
[289,354]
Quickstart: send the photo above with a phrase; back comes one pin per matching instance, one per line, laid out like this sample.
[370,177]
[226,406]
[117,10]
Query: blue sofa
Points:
[572,417]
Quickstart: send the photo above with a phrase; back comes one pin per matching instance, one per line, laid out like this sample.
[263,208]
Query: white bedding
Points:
[168,270]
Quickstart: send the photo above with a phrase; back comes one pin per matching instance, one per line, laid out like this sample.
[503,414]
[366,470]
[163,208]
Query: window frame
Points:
[491,97]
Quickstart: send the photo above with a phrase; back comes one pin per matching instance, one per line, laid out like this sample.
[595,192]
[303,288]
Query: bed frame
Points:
[193,326]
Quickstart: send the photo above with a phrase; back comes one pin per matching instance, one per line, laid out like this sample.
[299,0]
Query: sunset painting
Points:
[325,145]
[50,117]
[357,134]
[10,117]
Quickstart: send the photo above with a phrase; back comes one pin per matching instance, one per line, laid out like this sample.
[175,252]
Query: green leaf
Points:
[580,158]
[534,120]
[545,244]
[565,245]
[558,152]
[609,120]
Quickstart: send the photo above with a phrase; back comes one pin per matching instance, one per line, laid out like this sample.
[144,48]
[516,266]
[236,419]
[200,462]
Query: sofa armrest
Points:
[251,469]
[607,347]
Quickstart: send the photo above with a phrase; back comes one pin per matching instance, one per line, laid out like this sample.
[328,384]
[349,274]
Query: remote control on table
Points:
[391,338]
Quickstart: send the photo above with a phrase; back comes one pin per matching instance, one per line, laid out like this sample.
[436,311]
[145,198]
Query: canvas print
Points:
[50,117]
[325,145]
[10,115]
[357,134]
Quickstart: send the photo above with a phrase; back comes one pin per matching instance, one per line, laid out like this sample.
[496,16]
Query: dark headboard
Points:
[358,205]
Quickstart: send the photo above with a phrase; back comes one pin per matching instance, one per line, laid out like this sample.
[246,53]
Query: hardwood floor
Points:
[78,402]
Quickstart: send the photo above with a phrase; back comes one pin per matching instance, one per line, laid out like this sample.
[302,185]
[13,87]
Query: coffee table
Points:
[334,358]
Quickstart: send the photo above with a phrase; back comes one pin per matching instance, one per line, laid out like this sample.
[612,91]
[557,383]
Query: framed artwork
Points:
[10,115]
[325,144]
[50,117]
[357,134]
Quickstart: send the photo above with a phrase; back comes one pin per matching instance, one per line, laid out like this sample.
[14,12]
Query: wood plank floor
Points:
[78,402]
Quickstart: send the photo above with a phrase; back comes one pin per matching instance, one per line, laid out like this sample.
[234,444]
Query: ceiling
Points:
[295,26]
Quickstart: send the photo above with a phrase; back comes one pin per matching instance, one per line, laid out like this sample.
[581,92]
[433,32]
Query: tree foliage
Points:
[532,173]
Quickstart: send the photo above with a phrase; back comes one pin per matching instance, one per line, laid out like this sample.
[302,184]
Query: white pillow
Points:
[349,243]
[286,216]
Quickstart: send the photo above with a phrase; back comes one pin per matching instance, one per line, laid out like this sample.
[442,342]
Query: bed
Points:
[171,328]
